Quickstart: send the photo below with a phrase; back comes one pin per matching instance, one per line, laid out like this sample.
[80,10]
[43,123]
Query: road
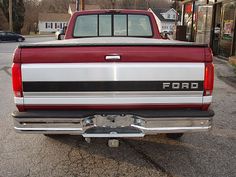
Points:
[210,154]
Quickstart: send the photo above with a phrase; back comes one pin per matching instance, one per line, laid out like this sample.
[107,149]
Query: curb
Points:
[225,62]
[220,60]
[225,72]
[35,36]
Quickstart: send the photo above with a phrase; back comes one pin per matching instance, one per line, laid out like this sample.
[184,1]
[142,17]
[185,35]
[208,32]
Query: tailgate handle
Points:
[113,57]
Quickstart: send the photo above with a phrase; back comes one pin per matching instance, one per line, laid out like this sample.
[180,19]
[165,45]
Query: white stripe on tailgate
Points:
[113,72]
[112,94]
[113,100]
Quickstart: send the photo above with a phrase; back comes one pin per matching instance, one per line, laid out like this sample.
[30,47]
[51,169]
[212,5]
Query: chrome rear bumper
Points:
[123,124]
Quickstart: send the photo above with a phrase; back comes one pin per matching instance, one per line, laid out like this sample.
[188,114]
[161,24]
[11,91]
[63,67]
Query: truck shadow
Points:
[152,152]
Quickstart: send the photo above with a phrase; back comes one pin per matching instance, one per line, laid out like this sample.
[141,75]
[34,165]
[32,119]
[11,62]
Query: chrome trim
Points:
[207,99]
[112,57]
[102,94]
[48,129]
[91,98]
[19,100]
[138,135]
[108,100]
[170,128]
[80,126]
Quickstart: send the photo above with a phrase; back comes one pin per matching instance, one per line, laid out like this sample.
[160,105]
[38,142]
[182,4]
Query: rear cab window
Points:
[113,25]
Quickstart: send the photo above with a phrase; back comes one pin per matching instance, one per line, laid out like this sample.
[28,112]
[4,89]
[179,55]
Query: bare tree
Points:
[160,3]
[134,4]
[4,24]
[34,7]
[31,16]
[55,6]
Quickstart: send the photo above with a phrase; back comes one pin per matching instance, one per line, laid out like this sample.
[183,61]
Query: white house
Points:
[166,19]
[50,22]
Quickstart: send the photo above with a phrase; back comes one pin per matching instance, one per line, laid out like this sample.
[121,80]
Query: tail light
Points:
[208,79]
[17,80]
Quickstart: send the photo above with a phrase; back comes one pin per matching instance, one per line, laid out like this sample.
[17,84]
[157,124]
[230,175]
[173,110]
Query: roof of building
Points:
[158,12]
[54,17]
[161,10]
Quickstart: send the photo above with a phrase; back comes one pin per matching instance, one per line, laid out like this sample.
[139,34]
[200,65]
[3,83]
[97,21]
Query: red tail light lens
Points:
[208,79]
[17,79]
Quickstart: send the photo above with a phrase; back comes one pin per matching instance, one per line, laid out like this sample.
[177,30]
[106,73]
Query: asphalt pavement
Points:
[208,154]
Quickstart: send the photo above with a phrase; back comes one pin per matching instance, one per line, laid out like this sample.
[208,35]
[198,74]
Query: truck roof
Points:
[129,11]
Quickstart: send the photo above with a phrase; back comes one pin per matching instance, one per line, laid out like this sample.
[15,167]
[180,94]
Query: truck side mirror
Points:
[164,35]
[64,29]
[62,36]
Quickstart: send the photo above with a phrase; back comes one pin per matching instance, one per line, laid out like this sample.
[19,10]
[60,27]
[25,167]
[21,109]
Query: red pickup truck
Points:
[113,76]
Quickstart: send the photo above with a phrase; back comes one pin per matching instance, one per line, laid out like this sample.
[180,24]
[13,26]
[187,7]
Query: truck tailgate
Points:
[151,75]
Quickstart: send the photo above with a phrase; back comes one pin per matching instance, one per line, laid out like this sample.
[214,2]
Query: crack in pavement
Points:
[148,159]
[6,70]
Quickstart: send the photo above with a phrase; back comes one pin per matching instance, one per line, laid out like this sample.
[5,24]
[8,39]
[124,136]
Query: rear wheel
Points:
[20,39]
[174,136]
[54,135]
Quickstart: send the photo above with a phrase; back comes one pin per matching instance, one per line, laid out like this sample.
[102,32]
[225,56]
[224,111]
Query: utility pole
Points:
[82,5]
[177,15]
[147,1]
[77,5]
[10,16]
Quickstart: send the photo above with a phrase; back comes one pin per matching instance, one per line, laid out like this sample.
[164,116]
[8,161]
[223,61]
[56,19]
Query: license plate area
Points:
[113,121]
[113,132]
[113,126]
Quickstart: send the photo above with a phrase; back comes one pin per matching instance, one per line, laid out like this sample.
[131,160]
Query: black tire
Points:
[20,39]
[59,37]
[53,135]
[174,136]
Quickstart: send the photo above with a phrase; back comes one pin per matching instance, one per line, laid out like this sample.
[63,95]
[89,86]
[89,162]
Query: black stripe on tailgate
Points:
[103,86]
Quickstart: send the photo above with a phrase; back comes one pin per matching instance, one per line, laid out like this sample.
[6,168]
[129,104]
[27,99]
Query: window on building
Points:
[51,25]
[174,16]
[168,16]
[48,25]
